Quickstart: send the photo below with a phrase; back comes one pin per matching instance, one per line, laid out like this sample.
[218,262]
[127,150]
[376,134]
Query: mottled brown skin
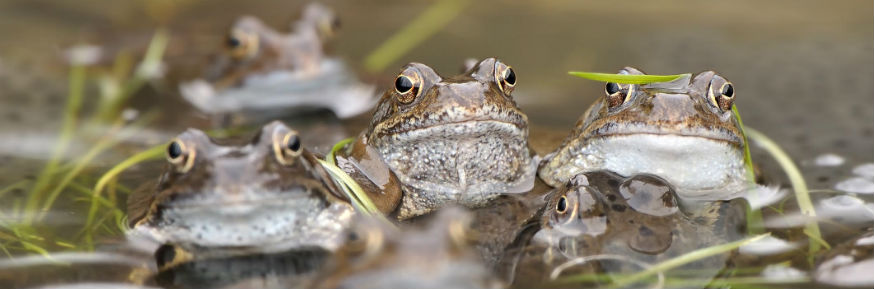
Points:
[251,47]
[439,254]
[428,136]
[206,173]
[682,108]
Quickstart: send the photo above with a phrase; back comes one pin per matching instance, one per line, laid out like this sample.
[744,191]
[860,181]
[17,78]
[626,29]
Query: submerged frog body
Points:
[600,215]
[459,140]
[683,131]
[260,69]
[438,255]
[266,195]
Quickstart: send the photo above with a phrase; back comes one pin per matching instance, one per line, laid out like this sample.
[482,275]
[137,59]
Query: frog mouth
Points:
[718,134]
[244,199]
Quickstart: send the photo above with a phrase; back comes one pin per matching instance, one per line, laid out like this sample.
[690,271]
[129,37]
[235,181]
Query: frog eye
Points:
[286,147]
[617,94]
[505,77]
[561,205]
[724,97]
[407,88]
[241,44]
[179,155]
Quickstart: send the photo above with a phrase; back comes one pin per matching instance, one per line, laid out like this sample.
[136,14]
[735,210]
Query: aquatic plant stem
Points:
[802,195]
[754,216]
[685,259]
[151,153]
[435,17]
[74,105]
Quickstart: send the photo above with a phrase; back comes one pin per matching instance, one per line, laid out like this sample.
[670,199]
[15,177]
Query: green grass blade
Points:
[802,196]
[71,112]
[423,26]
[337,147]
[149,154]
[685,259]
[355,192]
[626,78]
[754,217]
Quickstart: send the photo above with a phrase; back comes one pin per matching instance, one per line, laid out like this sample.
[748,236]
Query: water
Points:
[802,70]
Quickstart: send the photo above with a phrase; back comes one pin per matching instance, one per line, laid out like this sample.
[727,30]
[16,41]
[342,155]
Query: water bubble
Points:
[856,185]
[829,160]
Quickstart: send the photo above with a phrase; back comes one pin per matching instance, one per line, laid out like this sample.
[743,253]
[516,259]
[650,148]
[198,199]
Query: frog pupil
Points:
[511,77]
[728,90]
[403,84]
[233,42]
[562,205]
[174,150]
[612,88]
[294,143]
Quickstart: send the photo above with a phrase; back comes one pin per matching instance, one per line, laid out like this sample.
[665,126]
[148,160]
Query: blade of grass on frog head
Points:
[626,78]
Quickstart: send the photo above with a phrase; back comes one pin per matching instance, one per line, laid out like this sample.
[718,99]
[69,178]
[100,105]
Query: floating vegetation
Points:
[802,194]
[24,230]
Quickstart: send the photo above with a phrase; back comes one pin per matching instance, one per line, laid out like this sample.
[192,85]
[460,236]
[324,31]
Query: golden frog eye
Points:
[407,87]
[180,155]
[724,97]
[286,147]
[561,205]
[505,77]
[242,44]
[617,94]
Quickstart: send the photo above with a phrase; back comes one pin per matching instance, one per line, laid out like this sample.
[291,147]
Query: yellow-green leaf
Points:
[626,78]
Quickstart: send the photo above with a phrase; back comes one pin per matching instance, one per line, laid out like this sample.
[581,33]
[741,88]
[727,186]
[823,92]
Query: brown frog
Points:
[437,255]
[459,140]
[251,47]
[265,195]
[683,131]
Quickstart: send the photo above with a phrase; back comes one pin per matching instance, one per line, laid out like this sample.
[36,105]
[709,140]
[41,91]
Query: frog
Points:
[268,194]
[600,215]
[456,140]
[437,253]
[684,131]
[259,69]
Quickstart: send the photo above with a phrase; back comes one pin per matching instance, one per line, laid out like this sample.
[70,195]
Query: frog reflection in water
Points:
[267,195]
[459,140]
[639,218]
[683,131]
[437,255]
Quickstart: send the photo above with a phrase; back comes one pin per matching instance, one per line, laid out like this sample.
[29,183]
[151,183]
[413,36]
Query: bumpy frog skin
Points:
[683,131]
[265,195]
[459,140]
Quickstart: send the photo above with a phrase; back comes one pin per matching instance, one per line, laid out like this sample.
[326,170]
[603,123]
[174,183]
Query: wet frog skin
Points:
[251,47]
[683,131]
[265,195]
[638,217]
[459,140]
